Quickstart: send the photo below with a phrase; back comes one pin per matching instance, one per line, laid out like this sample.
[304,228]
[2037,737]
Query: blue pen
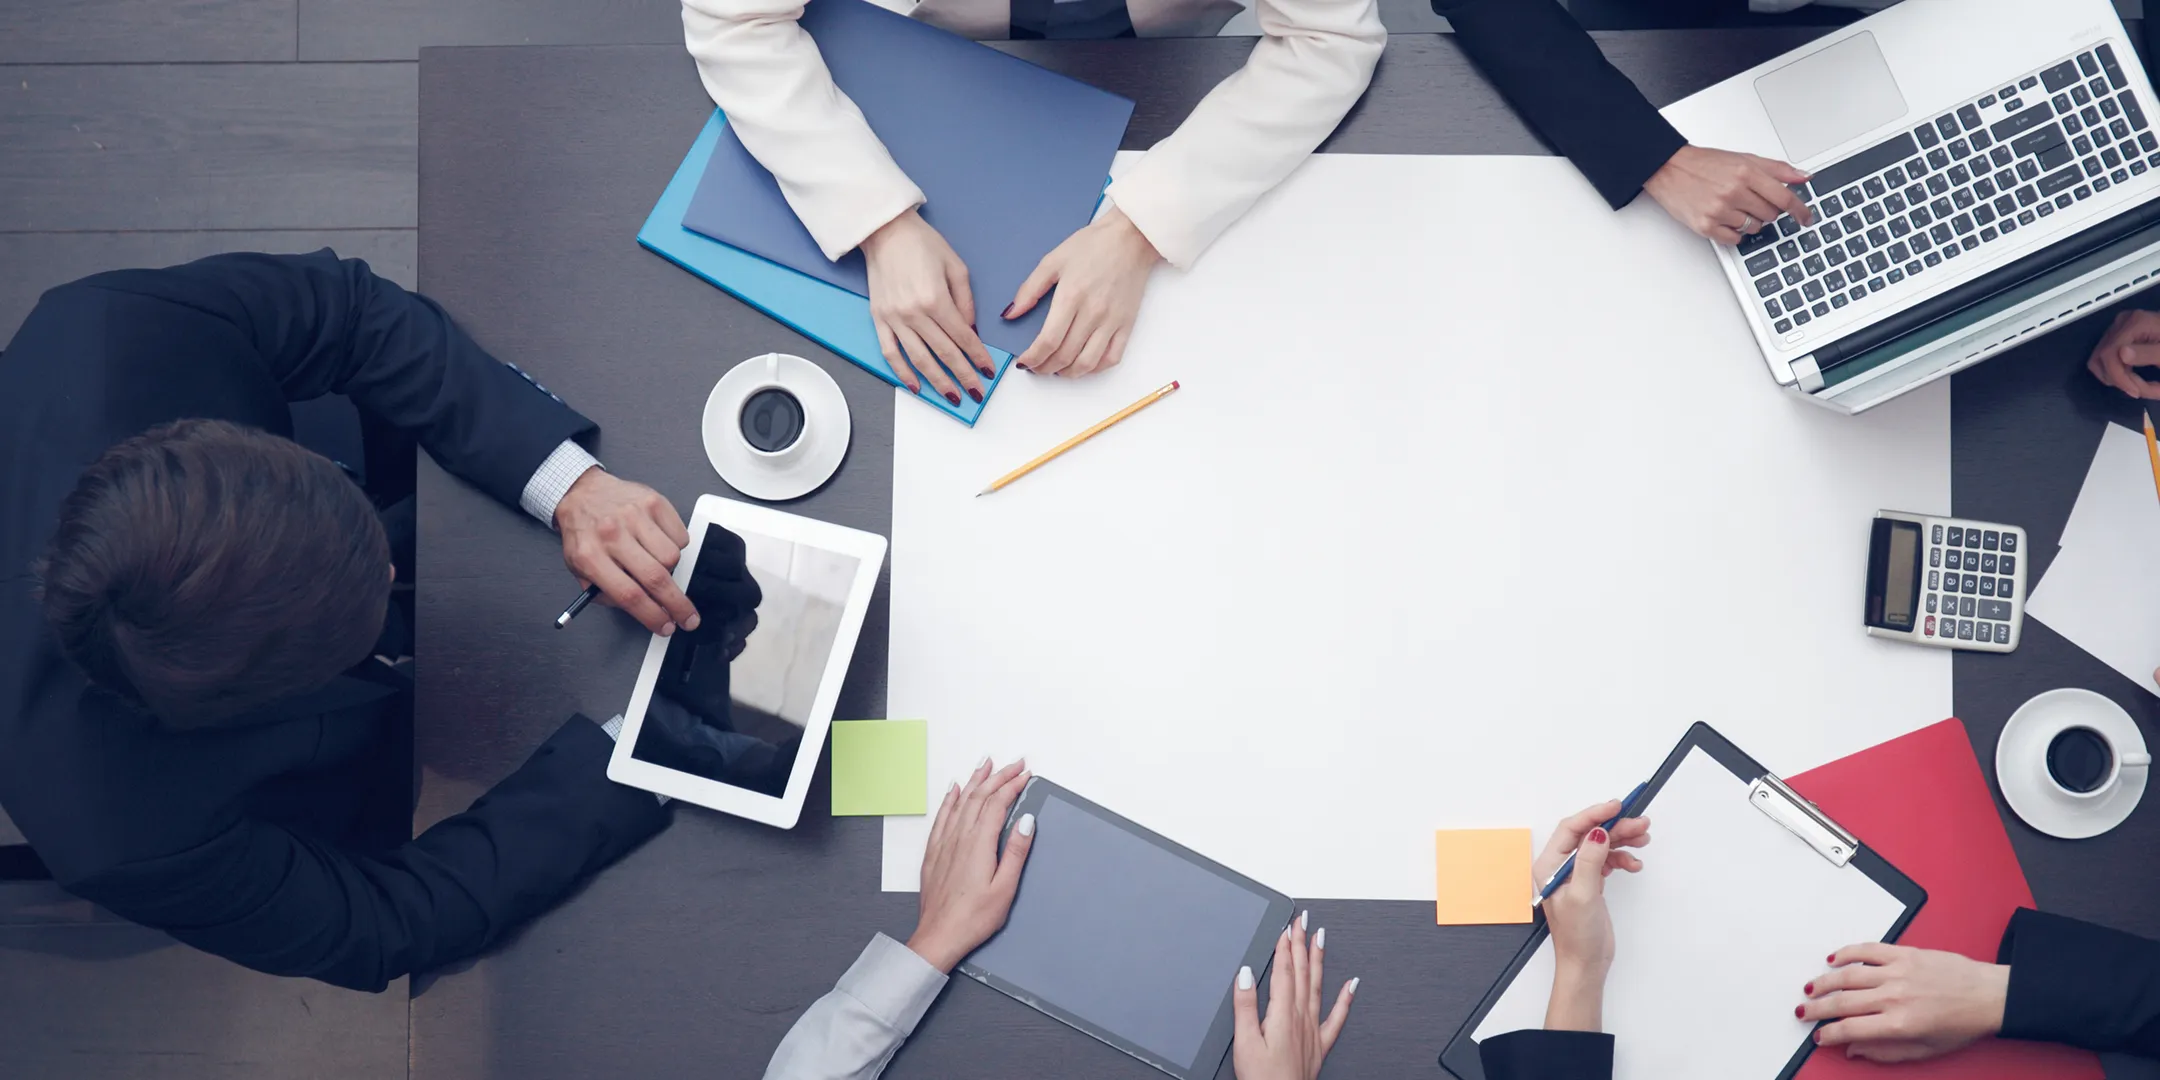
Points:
[1560,876]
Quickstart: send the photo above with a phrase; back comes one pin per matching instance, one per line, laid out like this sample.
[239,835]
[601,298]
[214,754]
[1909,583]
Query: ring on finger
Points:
[1748,223]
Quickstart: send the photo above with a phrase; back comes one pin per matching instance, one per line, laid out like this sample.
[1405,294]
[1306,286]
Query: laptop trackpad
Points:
[1830,96]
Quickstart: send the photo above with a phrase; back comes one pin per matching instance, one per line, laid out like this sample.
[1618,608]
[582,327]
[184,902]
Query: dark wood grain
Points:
[30,263]
[111,1001]
[135,31]
[397,29]
[207,146]
[705,945]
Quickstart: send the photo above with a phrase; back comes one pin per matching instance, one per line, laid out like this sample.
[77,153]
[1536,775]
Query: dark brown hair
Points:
[203,569]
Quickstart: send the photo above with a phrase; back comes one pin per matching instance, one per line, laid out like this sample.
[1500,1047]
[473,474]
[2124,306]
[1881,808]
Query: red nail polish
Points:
[1799,1012]
[988,373]
[1809,989]
[1597,835]
[1832,959]
[952,397]
[1817,1036]
[1007,313]
[974,393]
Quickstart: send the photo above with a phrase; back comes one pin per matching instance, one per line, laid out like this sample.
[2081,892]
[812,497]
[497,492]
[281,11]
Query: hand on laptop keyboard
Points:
[2133,341]
[1723,195]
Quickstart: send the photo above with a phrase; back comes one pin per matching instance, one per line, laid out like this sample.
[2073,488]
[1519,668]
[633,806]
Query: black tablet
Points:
[1129,936]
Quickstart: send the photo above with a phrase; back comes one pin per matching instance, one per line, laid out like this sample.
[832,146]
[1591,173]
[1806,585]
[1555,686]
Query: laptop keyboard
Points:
[1975,174]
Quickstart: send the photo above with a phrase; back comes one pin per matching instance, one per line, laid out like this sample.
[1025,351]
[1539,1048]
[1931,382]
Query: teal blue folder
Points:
[827,314]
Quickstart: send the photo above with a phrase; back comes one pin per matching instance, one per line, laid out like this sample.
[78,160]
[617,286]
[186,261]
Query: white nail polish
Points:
[1301,917]
[1026,827]
[1244,978]
[1319,939]
[1351,988]
[983,764]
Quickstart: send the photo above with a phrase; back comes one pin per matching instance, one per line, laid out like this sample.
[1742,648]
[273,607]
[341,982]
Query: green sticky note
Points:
[880,768]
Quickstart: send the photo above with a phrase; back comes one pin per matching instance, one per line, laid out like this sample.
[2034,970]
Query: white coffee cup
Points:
[2084,763]
[773,422]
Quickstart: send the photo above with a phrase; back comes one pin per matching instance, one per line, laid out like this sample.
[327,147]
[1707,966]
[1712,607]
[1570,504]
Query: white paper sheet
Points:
[1476,495]
[1731,914]
[2098,590]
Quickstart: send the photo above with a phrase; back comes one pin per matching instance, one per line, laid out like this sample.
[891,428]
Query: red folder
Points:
[1921,802]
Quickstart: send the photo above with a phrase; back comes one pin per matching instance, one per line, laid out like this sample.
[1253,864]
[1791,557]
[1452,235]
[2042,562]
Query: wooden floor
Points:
[147,132]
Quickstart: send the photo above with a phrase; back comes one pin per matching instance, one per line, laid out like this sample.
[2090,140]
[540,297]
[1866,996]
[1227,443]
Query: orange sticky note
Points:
[1483,876]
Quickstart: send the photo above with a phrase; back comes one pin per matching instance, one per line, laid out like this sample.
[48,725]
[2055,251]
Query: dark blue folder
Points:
[1011,157]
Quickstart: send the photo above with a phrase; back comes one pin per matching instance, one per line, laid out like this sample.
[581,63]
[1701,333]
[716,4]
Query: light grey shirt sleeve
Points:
[850,1033]
[552,481]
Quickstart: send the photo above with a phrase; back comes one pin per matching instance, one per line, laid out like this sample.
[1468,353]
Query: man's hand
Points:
[2132,342]
[627,539]
[1724,196]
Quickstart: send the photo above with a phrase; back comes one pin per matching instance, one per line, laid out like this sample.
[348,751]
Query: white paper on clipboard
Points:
[1730,917]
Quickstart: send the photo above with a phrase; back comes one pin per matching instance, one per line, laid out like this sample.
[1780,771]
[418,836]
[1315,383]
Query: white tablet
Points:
[733,714]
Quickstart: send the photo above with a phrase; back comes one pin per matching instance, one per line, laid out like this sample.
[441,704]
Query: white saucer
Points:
[802,468]
[2021,763]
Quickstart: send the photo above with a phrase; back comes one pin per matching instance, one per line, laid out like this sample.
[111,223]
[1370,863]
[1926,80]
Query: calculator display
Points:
[1893,574]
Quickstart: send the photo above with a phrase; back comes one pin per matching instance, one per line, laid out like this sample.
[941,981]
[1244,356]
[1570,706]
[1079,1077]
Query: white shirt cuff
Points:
[613,730]
[553,479]
[893,983]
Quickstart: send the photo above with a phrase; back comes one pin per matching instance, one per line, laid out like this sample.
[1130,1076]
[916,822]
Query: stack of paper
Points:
[2101,587]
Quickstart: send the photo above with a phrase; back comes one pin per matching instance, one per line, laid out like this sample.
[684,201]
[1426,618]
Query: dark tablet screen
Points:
[1127,935]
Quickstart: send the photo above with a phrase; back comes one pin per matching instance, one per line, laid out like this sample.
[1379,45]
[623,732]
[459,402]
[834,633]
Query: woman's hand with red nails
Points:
[924,310]
[1892,1003]
[1582,930]
[1100,273]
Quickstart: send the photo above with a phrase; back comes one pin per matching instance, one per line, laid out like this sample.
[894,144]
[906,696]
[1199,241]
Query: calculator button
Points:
[1971,584]
[1957,560]
[1931,626]
[1957,536]
[1965,629]
[1989,539]
[2009,542]
[1950,582]
[1967,605]
[1987,586]
[1931,603]
[1995,609]
[1934,556]
[2008,564]
[1987,564]
[2002,633]
[1937,537]
[1934,579]
[2003,586]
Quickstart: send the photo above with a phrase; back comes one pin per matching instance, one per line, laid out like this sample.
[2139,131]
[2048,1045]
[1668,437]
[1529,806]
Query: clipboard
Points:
[1761,886]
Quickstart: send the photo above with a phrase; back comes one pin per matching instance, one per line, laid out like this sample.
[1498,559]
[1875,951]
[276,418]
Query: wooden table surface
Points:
[693,956]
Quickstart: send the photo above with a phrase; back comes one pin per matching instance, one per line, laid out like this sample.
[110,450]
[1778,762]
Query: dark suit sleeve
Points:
[287,904]
[1547,1055]
[2077,983]
[325,325]
[1547,67]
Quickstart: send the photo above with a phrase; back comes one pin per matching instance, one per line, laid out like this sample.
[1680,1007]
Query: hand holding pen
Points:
[1574,905]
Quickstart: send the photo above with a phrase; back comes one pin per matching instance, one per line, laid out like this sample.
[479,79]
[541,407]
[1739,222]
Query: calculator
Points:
[1945,581]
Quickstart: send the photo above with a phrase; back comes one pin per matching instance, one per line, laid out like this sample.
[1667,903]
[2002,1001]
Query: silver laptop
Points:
[1983,171]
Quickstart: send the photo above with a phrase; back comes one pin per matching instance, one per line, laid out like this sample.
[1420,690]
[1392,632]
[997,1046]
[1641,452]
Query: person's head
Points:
[203,569]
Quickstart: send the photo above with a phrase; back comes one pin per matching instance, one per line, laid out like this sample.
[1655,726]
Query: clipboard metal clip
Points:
[1803,819]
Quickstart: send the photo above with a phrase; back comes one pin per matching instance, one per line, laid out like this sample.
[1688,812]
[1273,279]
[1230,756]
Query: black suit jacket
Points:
[244,841]
[1547,67]
[1547,1055]
[2085,985]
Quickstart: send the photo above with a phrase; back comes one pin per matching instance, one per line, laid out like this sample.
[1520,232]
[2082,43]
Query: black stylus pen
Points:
[591,593]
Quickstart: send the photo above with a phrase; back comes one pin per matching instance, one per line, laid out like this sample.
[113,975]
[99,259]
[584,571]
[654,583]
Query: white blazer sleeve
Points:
[852,1032]
[767,75]
[1256,126]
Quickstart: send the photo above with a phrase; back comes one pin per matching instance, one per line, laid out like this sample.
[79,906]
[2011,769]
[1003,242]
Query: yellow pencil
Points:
[2152,450]
[1076,440]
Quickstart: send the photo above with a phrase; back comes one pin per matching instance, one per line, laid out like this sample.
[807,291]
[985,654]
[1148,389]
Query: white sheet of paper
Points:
[1475,497]
[1731,914]
[2098,590]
